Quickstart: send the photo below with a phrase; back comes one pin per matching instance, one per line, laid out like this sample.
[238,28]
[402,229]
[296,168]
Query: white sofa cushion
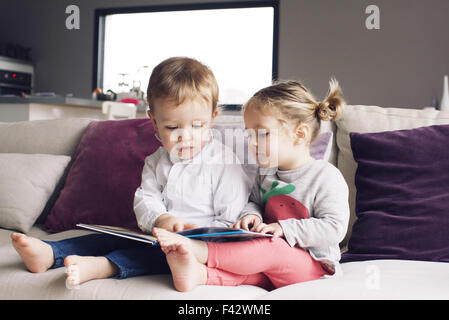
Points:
[18,283]
[375,279]
[26,183]
[365,119]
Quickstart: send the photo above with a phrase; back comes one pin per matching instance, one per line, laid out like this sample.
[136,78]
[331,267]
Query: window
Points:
[238,41]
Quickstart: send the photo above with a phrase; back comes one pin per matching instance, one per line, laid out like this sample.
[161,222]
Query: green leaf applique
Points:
[275,190]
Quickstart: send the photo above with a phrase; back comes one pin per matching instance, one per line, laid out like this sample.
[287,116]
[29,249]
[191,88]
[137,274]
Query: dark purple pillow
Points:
[402,201]
[106,171]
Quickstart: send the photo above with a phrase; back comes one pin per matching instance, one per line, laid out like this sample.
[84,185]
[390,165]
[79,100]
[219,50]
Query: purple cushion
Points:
[402,201]
[106,171]
[319,146]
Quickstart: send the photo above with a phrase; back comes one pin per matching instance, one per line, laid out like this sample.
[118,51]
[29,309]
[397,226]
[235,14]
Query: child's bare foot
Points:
[36,254]
[82,268]
[186,271]
[167,239]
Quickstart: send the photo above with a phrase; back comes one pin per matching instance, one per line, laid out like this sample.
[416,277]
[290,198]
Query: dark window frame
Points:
[101,13]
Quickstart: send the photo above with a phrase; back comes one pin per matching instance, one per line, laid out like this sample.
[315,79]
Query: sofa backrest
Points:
[62,136]
[58,137]
[327,126]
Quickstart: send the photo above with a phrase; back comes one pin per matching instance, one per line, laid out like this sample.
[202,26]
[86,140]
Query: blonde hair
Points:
[290,101]
[181,78]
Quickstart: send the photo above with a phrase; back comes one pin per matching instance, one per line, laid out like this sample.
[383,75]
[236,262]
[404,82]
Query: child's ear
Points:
[153,120]
[214,114]
[302,133]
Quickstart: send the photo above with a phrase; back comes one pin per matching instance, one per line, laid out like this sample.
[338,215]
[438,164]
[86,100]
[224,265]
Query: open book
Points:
[217,234]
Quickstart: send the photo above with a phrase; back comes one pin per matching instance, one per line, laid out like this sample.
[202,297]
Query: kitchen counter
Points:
[52,100]
[59,100]
[15,108]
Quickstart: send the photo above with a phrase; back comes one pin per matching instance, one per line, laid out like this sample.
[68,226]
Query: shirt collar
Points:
[267,171]
[285,173]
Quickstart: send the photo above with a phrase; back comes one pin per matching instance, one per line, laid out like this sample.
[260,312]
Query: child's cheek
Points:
[270,154]
[168,140]
[272,147]
[201,136]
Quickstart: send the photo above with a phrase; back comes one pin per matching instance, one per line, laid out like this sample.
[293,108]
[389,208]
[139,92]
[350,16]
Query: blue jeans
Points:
[132,258]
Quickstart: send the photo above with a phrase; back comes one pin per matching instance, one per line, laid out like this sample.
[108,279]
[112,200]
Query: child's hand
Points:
[171,223]
[248,222]
[274,228]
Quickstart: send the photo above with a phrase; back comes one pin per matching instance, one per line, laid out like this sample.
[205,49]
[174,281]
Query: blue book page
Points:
[222,234]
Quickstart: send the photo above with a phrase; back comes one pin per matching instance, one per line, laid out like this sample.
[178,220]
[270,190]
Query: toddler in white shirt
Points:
[204,184]
[192,180]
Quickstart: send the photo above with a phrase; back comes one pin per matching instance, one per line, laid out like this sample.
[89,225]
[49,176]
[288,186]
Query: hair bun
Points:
[331,108]
[325,111]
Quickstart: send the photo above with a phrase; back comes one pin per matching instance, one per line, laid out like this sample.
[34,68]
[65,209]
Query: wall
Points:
[400,65]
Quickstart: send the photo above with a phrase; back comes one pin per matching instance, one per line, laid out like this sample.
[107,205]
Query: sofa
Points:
[386,267]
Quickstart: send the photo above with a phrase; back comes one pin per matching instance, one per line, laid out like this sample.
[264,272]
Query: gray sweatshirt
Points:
[310,203]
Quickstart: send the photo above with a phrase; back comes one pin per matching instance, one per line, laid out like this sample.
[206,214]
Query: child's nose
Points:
[253,141]
[184,135]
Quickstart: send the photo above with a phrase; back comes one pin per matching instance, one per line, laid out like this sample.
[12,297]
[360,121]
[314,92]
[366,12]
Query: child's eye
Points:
[170,128]
[198,125]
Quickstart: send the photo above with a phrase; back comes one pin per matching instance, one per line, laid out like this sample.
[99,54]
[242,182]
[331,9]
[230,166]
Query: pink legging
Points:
[267,263]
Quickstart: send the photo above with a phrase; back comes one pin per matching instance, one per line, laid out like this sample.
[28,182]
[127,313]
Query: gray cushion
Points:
[58,136]
[26,183]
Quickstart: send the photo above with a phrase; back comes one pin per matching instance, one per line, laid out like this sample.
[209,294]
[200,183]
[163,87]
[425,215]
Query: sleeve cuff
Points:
[287,234]
[251,208]
[251,212]
[146,223]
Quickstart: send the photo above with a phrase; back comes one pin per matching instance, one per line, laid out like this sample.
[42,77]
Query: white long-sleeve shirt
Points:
[209,189]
